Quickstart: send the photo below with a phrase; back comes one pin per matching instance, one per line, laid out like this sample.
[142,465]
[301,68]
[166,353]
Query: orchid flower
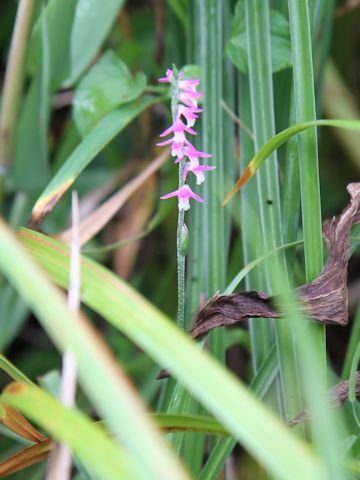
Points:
[198,171]
[184,194]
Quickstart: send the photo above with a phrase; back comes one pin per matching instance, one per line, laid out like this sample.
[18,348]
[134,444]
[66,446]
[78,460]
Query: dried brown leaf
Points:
[323,300]
[16,422]
[26,457]
[338,394]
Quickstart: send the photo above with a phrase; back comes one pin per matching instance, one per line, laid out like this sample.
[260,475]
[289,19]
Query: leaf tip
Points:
[248,173]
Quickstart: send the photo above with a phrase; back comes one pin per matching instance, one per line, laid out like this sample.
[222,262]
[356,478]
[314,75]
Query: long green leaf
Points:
[100,375]
[279,139]
[227,399]
[108,127]
[87,440]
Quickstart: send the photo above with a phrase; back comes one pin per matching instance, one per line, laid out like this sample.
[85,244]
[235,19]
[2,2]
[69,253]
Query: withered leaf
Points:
[26,457]
[338,394]
[323,300]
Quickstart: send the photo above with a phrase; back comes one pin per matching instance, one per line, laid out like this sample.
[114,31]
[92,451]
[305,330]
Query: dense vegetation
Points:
[245,303]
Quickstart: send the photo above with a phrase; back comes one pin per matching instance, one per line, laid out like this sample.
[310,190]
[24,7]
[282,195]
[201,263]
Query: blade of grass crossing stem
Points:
[100,375]
[257,17]
[218,390]
[308,156]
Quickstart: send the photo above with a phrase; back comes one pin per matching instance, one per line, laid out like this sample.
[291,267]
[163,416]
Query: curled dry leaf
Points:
[323,300]
[338,394]
[16,422]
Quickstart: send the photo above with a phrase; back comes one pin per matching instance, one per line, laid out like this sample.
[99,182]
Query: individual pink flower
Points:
[193,154]
[189,114]
[178,128]
[198,171]
[168,78]
[188,85]
[178,140]
[184,194]
[189,97]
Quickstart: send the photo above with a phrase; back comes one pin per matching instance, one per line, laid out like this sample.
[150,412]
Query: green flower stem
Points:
[13,86]
[180,259]
[180,256]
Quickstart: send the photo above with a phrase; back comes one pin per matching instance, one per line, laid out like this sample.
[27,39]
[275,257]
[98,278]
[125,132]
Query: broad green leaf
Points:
[101,377]
[93,20]
[88,441]
[239,411]
[59,18]
[237,49]
[275,142]
[85,152]
[107,85]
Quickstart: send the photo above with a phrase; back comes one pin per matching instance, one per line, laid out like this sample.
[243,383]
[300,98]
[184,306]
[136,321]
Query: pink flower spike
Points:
[198,171]
[184,194]
[168,78]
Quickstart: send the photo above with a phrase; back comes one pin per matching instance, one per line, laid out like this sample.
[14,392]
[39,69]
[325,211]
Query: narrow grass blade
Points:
[13,371]
[279,139]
